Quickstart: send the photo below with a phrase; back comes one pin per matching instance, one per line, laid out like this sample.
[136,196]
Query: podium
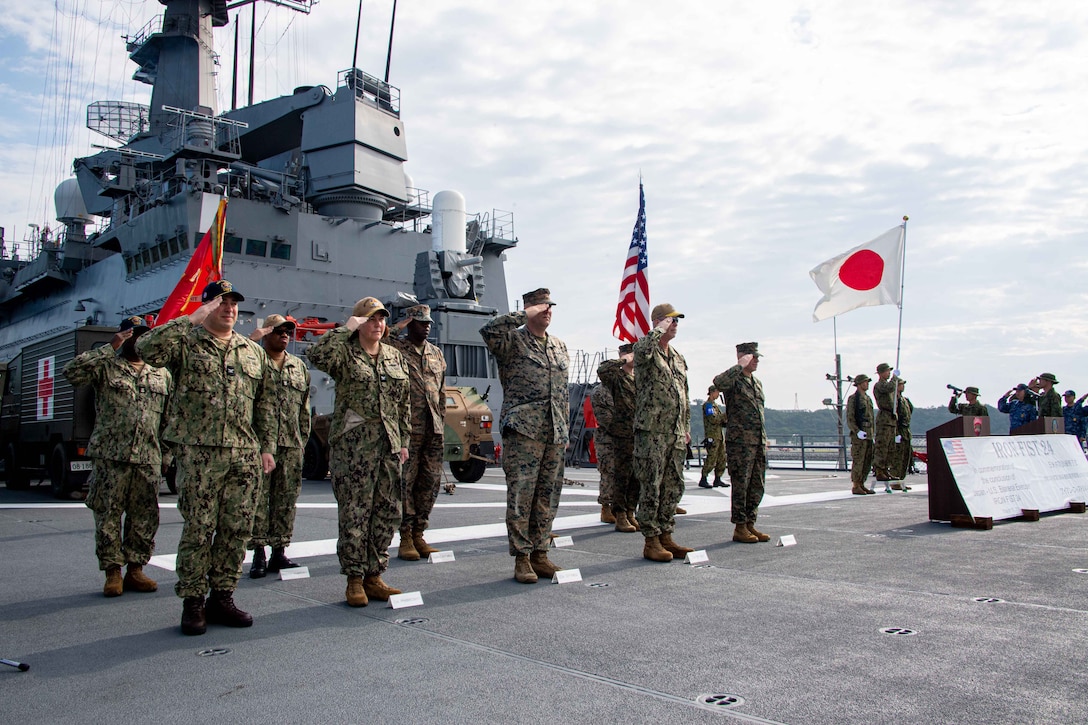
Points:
[1039,426]
[944,496]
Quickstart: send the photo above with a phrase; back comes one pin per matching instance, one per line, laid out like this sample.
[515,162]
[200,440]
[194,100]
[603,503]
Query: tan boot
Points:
[741,534]
[114,586]
[677,551]
[422,546]
[859,490]
[543,566]
[355,595]
[653,551]
[624,524]
[680,511]
[407,549]
[758,534]
[137,581]
[375,588]
[523,571]
[606,515]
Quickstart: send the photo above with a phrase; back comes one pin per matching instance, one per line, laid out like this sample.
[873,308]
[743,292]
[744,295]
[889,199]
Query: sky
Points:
[769,136]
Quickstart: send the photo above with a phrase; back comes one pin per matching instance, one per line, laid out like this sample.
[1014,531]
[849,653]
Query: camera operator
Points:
[971,407]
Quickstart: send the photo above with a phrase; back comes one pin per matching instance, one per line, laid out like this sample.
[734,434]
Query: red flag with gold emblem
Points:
[206,265]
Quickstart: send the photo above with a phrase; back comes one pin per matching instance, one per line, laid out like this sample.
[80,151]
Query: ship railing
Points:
[371,89]
[205,133]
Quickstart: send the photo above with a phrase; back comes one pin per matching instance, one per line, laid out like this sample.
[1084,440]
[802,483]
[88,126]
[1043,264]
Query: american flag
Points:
[633,310]
[953,450]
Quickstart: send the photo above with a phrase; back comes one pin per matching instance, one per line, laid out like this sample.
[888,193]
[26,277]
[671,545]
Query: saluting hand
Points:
[743,360]
[665,323]
[354,323]
[259,333]
[533,310]
[201,313]
[119,339]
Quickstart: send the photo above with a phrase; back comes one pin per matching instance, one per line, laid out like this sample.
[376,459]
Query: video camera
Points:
[956,391]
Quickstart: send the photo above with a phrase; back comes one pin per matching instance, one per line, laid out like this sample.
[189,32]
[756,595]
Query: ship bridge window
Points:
[281,250]
[232,244]
[256,247]
[175,245]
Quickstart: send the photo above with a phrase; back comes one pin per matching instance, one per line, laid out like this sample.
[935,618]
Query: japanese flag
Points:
[865,276]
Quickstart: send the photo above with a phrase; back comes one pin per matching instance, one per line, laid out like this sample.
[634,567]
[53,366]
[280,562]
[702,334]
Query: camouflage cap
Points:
[132,323]
[420,313]
[221,288]
[626,348]
[901,381]
[882,367]
[1050,377]
[1073,393]
[542,296]
[749,348]
[664,310]
[711,390]
[279,321]
[863,378]
[972,389]
[368,307]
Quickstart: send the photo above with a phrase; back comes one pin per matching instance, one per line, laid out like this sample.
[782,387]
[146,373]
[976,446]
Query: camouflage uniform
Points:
[621,434]
[1050,404]
[221,419]
[745,441]
[371,422]
[884,392]
[662,426]
[713,420]
[903,449]
[126,451]
[1076,420]
[274,515]
[973,409]
[423,472]
[534,425]
[1019,412]
[859,417]
[603,406]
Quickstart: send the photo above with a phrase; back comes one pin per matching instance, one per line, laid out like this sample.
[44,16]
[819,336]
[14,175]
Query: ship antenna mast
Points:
[355,49]
[389,51]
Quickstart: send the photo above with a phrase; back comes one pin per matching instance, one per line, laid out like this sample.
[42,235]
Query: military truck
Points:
[468,443]
[45,423]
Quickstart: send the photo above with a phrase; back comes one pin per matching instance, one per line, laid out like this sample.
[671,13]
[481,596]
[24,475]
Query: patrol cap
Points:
[221,288]
[711,390]
[134,323]
[277,322]
[1050,377]
[749,348]
[902,381]
[421,313]
[1071,392]
[542,296]
[626,348]
[368,307]
[863,378]
[971,389]
[664,310]
[882,367]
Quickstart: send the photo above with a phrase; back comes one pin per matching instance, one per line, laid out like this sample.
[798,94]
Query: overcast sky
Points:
[770,136]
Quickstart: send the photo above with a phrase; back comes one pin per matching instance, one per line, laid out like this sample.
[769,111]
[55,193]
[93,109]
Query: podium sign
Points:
[944,497]
[1000,477]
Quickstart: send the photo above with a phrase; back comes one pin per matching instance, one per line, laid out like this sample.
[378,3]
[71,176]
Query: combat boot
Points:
[624,524]
[677,551]
[114,586]
[279,560]
[543,566]
[407,550]
[354,594]
[719,483]
[703,483]
[375,588]
[221,609]
[137,581]
[523,571]
[422,546]
[606,515]
[756,533]
[653,551]
[680,511]
[260,565]
[743,535]
[193,621]
[859,490]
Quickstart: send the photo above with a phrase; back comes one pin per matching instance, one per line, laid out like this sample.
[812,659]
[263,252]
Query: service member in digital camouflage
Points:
[884,445]
[903,449]
[713,423]
[1076,415]
[533,371]
[618,378]
[221,427]
[859,418]
[368,440]
[1017,405]
[129,400]
[972,407]
[603,410]
[1049,403]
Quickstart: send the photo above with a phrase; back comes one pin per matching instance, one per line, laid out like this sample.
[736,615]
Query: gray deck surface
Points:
[795,632]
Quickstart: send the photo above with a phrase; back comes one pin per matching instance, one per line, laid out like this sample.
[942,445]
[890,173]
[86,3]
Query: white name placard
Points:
[408,599]
[438,557]
[787,540]
[562,541]
[302,572]
[697,557]
[998,476]
[566,576]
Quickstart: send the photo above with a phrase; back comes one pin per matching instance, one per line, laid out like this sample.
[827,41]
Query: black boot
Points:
[222,610]
[719,483]
[279,560]
[192,616]
[703,483]
[259,565]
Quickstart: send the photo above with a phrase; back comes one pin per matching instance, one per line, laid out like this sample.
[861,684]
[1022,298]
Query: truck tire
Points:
[314,464]
[17,480]
[469,471]
[59,473]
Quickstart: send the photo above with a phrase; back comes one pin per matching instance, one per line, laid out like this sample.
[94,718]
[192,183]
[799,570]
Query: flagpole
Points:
[902,285]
